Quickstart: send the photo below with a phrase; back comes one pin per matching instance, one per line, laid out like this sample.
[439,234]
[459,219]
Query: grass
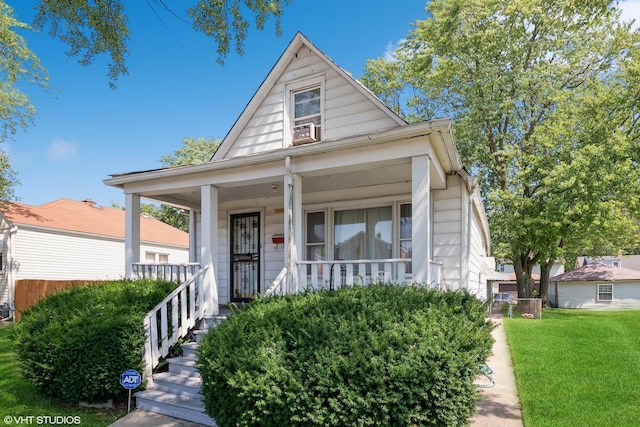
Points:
[577,368]
[19,398]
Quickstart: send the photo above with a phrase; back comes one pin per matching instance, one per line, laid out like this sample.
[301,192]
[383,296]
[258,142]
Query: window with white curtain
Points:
[363,233]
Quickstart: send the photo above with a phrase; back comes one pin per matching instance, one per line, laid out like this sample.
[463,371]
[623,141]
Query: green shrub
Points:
[74,344]
[381,355]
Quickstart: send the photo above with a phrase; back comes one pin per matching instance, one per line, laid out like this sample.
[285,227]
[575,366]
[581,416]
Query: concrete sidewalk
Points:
[500,407]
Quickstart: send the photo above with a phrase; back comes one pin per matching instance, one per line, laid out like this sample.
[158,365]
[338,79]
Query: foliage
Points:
[74,344]
[577,367]
[225,21]
[544,96]
[17,65]
[97,27]
[381,355]
[193,151]
[18,397]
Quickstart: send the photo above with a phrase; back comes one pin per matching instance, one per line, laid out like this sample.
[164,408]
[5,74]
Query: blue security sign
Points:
[130,379]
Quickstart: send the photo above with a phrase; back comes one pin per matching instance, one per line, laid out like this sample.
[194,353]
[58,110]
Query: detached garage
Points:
[596,286]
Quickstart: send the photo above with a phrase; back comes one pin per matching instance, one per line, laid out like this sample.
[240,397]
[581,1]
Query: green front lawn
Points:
[577,368]
[18,397]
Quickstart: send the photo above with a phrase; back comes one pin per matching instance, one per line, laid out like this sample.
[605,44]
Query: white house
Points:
[313,162]
[596,286]
[69,240]
[317,185]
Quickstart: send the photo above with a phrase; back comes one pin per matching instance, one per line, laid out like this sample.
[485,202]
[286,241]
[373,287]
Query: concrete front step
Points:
[177,383]
[183,366]
[186,406]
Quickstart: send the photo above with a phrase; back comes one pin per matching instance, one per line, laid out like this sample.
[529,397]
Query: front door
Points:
[245,256]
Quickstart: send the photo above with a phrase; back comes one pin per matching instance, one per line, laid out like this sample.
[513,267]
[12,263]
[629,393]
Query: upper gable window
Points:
[307,116]
[307,105]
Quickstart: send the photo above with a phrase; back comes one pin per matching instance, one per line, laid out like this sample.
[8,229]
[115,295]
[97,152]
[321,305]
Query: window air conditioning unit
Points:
[303,134]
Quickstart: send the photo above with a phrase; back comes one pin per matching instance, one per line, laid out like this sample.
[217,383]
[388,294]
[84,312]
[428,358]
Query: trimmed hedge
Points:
[74,344]
[380,355]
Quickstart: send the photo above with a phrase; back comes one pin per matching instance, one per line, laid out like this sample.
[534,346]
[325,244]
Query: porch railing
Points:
[171,272]
[172,319]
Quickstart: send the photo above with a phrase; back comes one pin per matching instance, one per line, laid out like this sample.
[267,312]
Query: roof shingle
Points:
[87,217]
[597,272]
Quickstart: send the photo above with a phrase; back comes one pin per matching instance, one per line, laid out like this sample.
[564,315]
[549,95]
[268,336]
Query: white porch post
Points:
[421,223]
[192,236]
[292,225]
[131,233]
[209,249]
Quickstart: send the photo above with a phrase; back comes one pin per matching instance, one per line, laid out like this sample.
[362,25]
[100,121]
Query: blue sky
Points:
[84,131]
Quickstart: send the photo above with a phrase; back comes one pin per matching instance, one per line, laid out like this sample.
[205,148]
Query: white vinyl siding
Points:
[626,294]
[448,235]
[346,112]
[57,256]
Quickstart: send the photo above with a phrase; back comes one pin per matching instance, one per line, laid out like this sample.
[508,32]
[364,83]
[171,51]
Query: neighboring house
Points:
[597,286]
[631,262]
[318,184]
[502,282]
[68,240]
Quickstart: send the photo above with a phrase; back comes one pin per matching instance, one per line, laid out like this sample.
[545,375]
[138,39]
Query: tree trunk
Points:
[523,265]
[545,271]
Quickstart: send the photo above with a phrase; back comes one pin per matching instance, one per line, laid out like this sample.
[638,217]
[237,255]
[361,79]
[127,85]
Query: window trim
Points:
[600,293]
[329,212]
[291,89]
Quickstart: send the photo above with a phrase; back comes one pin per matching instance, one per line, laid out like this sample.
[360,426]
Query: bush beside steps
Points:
[380,355]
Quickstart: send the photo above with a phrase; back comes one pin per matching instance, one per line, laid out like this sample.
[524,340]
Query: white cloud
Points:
[60,149]
[630,11]
[390,50]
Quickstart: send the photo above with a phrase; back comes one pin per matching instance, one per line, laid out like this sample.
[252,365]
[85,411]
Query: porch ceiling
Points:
[384,173]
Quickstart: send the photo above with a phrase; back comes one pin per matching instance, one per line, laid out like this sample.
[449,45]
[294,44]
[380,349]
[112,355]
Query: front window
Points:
[307,116]
[315,236]
[605,292]
[363,234]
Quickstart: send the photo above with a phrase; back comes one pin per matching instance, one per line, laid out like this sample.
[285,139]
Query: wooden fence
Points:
[29,291]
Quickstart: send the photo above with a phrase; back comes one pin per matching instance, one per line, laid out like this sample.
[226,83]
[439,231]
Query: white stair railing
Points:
[172,319]
[278,285]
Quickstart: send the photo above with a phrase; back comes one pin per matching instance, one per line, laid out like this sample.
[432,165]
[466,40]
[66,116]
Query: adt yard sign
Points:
[130,379]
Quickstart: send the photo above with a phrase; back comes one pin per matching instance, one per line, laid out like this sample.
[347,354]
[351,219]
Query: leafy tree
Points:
[193,151]
[18,65]
[93,28]
[545,98]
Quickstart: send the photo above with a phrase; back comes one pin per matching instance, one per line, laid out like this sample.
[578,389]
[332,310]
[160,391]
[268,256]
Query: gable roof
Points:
[299,41]
[87,217]
[597,272]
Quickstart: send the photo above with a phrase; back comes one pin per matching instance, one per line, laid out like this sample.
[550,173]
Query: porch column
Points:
[292,226]
[131,233]
[421,219]
[209,245]
[193,257]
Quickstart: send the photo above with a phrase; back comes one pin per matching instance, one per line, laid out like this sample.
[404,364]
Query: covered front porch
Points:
[254,220]
[319,216]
